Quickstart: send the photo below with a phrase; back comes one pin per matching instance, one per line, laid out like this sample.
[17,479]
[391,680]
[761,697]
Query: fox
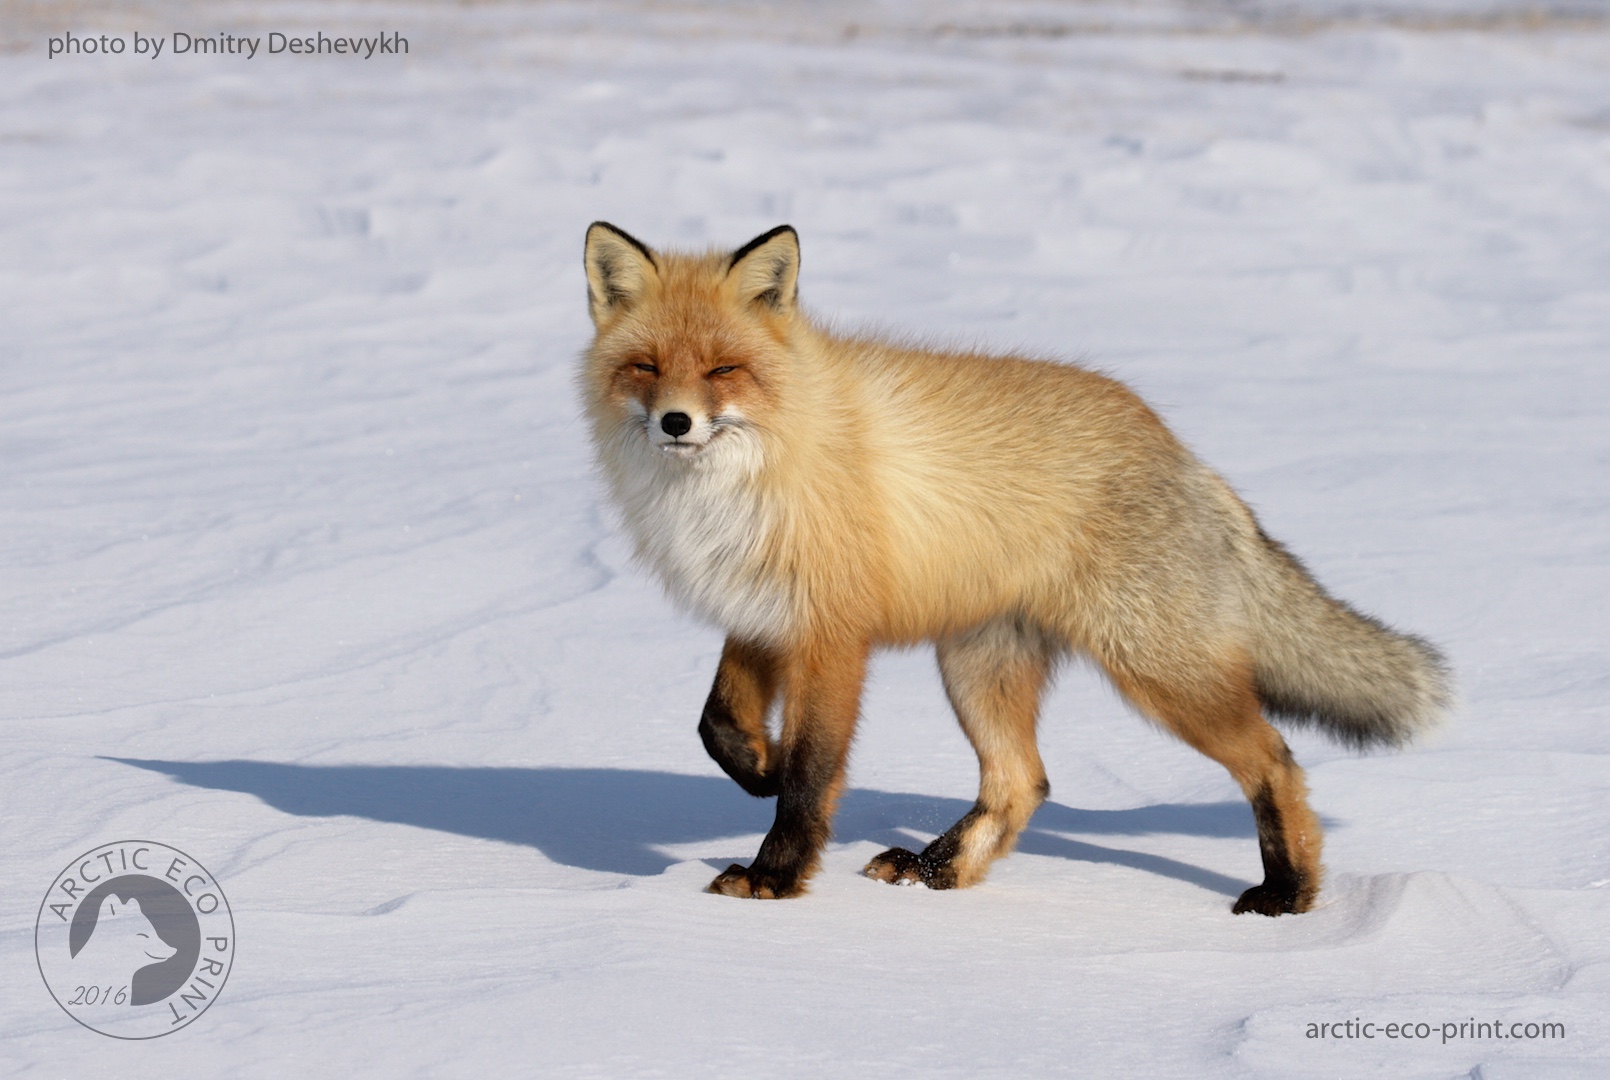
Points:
[818,495]
[123,942]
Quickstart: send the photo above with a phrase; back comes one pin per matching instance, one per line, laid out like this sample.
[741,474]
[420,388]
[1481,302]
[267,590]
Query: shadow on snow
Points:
[614,819]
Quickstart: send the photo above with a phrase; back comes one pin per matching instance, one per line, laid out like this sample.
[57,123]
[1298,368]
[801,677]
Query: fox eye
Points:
[724,369]
[644,365]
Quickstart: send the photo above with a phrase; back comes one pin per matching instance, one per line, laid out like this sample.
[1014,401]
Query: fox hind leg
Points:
[1219,714]
[994,676]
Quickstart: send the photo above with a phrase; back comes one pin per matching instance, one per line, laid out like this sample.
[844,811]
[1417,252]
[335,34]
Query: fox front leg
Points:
[821,701]
[733,725]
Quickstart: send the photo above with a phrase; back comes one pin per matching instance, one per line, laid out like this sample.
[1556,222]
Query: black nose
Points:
[676,424]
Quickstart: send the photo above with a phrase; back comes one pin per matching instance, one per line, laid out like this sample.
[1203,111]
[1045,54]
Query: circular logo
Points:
[135,939]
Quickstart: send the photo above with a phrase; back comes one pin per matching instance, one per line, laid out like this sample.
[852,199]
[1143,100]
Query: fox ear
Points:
[766,270]
[619,269]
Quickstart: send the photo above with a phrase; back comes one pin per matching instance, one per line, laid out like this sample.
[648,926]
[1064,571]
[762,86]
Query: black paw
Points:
[737,756]
[749,884]
[897,866]
[1266,899]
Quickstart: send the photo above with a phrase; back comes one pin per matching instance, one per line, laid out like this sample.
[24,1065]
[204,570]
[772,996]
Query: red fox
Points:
[818,496]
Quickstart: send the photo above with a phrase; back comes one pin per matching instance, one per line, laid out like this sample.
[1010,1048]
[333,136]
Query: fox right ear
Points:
[619,269]
[766,270]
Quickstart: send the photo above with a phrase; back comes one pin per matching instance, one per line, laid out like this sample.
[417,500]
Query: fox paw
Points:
[897,866]
[741,881]
[1270,900]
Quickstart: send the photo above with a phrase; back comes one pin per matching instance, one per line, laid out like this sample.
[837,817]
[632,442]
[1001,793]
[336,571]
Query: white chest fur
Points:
[700,524]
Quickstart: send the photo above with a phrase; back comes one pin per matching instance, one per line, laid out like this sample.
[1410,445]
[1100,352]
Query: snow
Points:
[304,571]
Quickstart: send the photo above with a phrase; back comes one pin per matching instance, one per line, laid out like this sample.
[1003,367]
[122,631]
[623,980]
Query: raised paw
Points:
[1266,899]
[749,884]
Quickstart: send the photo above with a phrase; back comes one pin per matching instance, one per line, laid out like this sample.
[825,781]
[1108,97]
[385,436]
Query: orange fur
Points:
[819,496]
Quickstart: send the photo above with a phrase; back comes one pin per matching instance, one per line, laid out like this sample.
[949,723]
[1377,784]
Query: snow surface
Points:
[303,570]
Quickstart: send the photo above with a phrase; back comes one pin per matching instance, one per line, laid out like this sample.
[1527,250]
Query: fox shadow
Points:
[616,820]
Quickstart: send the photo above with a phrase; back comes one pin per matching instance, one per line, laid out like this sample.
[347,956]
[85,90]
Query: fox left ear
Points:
[766,270]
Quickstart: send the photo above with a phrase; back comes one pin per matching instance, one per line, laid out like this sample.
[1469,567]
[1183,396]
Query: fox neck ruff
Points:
[703,524]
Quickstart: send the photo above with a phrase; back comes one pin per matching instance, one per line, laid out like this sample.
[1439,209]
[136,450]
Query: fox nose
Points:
[676,424]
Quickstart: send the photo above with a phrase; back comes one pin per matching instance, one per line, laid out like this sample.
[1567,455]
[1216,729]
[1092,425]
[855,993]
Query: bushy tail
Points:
[1321,663]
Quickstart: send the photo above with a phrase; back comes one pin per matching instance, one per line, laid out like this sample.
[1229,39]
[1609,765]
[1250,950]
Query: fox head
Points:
[689,348]
[123,932]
